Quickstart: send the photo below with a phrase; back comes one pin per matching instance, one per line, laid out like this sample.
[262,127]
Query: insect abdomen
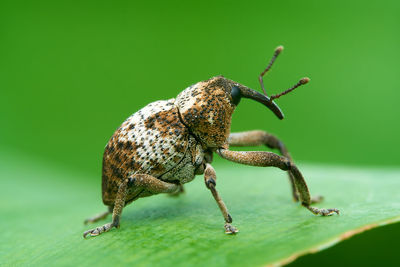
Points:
[151,141]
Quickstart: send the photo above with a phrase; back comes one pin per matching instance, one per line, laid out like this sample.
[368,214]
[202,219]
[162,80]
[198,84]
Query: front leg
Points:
[210,180]
[259,138]
[269,159]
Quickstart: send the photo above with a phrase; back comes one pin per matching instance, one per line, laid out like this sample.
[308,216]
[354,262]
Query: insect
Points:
[165,144]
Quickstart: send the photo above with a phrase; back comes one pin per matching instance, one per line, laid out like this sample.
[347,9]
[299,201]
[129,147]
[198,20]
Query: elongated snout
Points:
[265,100]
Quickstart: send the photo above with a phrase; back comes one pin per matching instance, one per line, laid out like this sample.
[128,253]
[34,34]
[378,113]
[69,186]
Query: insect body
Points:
[166,143]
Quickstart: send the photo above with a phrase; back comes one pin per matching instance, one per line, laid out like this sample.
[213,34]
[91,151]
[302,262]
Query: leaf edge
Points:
[332,242]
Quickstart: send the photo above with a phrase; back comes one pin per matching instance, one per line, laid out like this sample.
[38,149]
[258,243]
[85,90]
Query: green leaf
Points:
[43,209]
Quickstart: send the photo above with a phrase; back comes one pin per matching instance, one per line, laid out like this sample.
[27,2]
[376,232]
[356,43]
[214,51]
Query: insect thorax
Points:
[206,109]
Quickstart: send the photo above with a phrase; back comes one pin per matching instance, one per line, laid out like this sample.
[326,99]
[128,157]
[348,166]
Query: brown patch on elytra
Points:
[152,141]
[164,121]
[116,159]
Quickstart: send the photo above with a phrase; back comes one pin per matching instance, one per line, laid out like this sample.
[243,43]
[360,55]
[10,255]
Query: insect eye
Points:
[236,95]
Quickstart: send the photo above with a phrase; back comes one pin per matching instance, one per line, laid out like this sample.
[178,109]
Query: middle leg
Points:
[210,181]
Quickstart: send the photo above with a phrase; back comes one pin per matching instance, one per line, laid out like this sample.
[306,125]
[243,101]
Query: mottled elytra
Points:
[165,144]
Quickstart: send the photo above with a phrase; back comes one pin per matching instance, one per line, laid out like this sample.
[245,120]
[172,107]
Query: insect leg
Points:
[117,210]
[152,184]
[210,181]
[144,181]
[269,159]
[99,217]
[178,192]
[259,138]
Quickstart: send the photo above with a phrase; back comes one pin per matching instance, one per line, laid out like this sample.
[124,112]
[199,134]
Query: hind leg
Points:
[143,181]
[99,216]
[178,192]
[117,210]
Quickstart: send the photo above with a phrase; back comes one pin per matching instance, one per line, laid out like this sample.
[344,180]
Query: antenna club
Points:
[304,80]
[279,49]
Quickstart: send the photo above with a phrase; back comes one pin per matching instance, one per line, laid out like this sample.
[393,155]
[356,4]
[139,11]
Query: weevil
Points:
[168,142]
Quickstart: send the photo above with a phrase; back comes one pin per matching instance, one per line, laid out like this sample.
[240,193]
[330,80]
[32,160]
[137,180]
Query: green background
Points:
[72,71]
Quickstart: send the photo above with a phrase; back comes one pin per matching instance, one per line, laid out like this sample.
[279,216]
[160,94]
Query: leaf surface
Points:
[43,209]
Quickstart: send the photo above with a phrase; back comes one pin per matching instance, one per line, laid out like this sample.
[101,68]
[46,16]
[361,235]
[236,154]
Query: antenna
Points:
[278,50]
[301,82]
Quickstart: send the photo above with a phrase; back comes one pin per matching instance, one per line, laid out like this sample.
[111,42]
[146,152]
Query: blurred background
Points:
[72,71]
